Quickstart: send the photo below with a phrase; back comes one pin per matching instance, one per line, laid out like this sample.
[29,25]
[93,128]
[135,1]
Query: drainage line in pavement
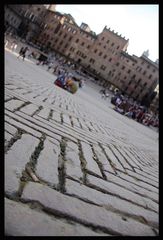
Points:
[134,160]
[83,162]
[61,166]
[37,111]
[53,213]
[88,184]
[125,151]
[16,137]
[45,99]
[72,124]
[50,114]
[124,156]
[61,115]
[7,100]
[23,105]
[14,197]
[109,160]
[29,173]
[98,162]
[59,214]
[33,160]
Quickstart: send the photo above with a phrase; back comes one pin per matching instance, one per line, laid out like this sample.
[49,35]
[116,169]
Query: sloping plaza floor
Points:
[74,166]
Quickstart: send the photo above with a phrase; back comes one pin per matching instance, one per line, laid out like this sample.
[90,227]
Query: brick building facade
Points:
[104,55]
[25,20]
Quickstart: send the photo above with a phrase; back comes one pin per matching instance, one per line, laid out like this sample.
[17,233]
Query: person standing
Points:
[24,52]
[20,52]
[50,66]
[80,83]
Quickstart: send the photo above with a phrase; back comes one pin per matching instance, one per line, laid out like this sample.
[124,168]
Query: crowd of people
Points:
[65,81]
[133,109]
[13,46]
[104,94]
[63,69]
[59,66]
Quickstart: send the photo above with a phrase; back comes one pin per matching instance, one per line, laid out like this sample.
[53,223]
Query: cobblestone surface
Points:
[73,166]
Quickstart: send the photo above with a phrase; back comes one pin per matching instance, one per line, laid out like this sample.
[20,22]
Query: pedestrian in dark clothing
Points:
[24,52]
[80,83]
[21,52]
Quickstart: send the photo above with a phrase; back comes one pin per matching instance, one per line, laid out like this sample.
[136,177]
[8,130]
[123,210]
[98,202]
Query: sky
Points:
[138,23]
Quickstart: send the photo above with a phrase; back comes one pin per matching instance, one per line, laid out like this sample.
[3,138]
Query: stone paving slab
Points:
[66,119]
[123,193]
[83,124]
[72,164]
[132,187]
[135,180]
[39,126]
[84,212]
[110,202]
[114,161]
[151,171]
[141,177]
[15,161]
[8,97]
[155,179]
[29,109]
[8,136]
[39,223]
[103,159]
[132,158]
[56,116]
[44,113]
[13,104]
[9,128]
[97,170]
[48,157]
[91,163]
[22,126]
[122,156]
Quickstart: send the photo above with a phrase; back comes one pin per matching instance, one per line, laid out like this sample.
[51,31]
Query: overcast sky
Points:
[138,23]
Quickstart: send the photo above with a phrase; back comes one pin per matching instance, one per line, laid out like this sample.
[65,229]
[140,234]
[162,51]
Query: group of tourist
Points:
[62,68]
[104,94]
[13,46]
[65,80]
[59,65]
[132,109]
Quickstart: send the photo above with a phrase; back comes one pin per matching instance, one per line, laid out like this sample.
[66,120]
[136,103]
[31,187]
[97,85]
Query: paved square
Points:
[74,166]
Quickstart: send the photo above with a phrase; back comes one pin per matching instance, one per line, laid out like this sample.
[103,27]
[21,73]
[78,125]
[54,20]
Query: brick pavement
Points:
[73,166]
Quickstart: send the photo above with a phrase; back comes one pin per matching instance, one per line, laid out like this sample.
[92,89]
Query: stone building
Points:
[12,17]
[136,76]
[103,56]
[55,35]
[24,20]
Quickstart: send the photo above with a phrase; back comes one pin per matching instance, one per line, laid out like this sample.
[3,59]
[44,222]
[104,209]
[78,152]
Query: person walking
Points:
[80,83]
[22,52]
[50,66]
